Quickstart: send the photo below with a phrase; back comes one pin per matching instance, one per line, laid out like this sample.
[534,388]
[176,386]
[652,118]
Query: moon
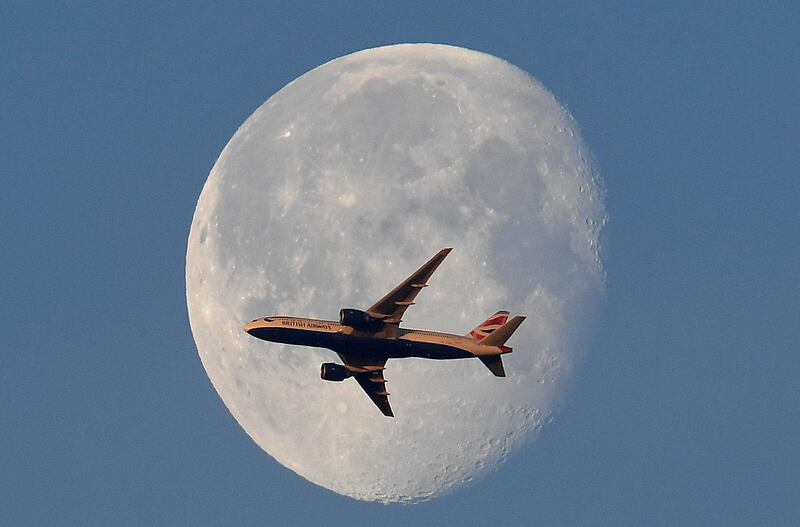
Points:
[342,184]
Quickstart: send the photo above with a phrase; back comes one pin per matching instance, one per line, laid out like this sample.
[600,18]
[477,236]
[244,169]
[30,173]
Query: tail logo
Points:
[489,325]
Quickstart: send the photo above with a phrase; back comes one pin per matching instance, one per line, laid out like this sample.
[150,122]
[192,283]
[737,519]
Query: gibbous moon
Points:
[341,185]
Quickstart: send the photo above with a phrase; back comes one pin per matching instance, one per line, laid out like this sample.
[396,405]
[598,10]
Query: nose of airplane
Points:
[250,326]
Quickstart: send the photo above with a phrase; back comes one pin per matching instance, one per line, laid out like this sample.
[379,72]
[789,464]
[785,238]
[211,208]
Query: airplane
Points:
[365,340]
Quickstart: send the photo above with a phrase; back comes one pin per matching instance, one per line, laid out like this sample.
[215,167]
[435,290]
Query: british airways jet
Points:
[365,340]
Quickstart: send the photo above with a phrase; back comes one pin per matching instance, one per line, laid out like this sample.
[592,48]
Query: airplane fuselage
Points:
[345,339]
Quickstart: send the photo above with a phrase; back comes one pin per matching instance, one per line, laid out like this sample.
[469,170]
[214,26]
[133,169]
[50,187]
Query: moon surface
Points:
[337,188]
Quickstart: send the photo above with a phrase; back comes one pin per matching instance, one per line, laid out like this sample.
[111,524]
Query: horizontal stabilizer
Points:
[495,364]
[499,336]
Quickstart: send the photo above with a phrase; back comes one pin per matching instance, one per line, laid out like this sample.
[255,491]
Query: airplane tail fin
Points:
[497,338]
[500,335]
[488,326]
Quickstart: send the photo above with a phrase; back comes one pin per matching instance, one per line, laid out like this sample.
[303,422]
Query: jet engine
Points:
[359,320]
[331,371]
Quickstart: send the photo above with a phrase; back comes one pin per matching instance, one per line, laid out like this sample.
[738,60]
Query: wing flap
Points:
[368,372]
[391,307]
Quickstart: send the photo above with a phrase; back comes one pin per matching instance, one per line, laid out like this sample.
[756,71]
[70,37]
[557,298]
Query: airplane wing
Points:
[391,307]
[369,374]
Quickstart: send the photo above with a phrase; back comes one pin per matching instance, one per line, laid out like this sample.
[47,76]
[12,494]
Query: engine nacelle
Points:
[359,319]
[331,371]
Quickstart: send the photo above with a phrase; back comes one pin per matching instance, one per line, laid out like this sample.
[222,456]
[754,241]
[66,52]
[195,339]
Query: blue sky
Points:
[687,407]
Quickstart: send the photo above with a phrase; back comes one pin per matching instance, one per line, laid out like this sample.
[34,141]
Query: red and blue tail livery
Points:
[487,326]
